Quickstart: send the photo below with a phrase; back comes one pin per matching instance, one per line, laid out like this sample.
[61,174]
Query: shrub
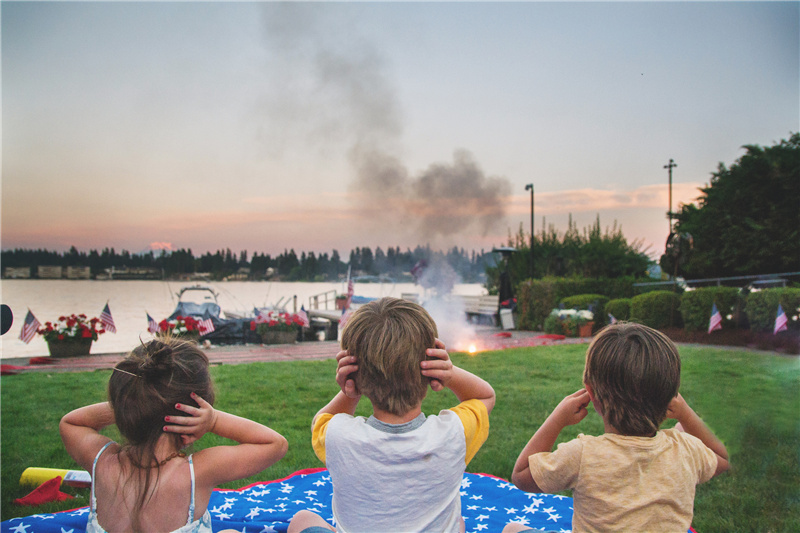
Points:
[696,307]
[619,308]
[536,298]
[567,321]
[657,309]
[596,303]
[535,301]
[762,307]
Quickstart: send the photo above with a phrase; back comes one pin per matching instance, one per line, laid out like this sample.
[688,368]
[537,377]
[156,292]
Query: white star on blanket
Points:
[255,509]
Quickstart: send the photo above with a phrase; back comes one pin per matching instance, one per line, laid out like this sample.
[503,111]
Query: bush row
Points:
[662,309]
[537,298]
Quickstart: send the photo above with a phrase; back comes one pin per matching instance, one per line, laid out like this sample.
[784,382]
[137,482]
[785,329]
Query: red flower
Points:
[60,337]
[252,326]
[86,333]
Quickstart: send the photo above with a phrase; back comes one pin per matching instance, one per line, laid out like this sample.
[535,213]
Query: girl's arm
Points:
[258,448]
[80,432]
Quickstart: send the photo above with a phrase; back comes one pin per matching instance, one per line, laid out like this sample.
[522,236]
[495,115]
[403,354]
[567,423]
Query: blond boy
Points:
[634,477]
[397,470]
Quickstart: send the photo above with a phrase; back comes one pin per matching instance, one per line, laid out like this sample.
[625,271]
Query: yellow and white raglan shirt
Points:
[400,477]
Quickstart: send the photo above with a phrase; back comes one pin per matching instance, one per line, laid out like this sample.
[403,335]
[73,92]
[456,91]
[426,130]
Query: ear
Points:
[589,390]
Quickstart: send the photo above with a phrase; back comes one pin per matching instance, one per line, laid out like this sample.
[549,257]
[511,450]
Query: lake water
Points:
[129,302]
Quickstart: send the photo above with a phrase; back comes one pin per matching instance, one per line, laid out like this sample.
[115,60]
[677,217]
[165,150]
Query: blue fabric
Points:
[487,504]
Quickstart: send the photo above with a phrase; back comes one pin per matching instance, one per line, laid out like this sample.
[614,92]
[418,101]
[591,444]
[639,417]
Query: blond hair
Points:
[389,338]
[634,372]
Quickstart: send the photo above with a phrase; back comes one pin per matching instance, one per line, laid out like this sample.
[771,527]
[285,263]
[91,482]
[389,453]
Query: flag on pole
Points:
[303,316]
[781,323]
[350,290]
[611,319]
[205,326]
[29,328]
[107,320]
[716,319]
[152,325]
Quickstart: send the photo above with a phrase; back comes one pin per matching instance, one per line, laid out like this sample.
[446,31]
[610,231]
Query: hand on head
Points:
[572,409]
[439,368]
[191,428]
[347,366]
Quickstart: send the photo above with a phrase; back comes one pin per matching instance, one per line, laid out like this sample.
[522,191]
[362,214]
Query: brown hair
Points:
[634,372]
[389,338]
[143,389]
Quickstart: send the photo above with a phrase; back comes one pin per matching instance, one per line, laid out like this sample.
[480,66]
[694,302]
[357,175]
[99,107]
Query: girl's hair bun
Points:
[156,360]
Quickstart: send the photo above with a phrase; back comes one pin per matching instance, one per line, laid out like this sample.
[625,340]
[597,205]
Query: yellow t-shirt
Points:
[473,415]
[623,483]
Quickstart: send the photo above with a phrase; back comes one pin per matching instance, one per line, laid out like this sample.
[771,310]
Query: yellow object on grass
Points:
[35,476]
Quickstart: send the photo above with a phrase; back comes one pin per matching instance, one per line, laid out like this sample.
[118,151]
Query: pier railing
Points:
[323,299]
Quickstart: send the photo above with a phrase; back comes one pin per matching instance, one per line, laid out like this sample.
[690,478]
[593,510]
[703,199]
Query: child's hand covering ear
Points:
[346,368]
[440,368]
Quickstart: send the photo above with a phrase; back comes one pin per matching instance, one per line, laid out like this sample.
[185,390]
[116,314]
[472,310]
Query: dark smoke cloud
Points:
[337,94]
[446,199]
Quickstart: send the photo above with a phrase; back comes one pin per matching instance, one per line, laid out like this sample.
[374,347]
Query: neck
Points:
[165,447]
[391,418]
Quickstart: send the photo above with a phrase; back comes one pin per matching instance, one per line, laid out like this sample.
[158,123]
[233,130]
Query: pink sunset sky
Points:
[318,126]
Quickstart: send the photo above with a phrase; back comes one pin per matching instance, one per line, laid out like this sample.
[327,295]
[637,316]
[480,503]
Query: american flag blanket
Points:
[487,504]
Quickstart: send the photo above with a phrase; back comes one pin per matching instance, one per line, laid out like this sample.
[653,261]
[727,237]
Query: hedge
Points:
[762,307]
[596,303]
[619,308]
[536,298]
[657,309]
[696,307]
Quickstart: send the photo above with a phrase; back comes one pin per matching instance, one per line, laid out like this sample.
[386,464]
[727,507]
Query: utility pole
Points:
[669,167]
[529,187]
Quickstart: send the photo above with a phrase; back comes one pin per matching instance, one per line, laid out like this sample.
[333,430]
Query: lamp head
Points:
[529,187]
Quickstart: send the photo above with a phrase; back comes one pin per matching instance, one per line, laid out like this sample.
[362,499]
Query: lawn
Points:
[749,399]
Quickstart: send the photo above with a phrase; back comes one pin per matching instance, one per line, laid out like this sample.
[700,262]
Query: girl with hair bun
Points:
[161,399]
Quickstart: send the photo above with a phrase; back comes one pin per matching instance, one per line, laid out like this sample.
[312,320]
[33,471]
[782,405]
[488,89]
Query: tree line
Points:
[288,266]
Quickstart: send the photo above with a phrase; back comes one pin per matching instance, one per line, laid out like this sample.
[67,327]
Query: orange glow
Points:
[472,348]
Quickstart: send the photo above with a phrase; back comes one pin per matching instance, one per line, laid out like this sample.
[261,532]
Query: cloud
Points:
[595,200]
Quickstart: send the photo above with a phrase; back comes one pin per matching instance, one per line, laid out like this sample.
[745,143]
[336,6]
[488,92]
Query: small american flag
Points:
[29,328]
[781,322]
[205,326]
[303,316]
[107,320]
[716,319]
[152,325]
[611,319]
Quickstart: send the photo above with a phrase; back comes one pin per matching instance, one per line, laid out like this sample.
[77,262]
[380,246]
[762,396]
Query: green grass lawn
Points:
[750,400]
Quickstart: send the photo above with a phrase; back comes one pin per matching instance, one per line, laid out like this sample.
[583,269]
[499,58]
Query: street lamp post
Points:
[529,187]
[672,164]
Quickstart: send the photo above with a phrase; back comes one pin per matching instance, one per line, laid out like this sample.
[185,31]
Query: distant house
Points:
[17,273]
[49,272]
[79,272]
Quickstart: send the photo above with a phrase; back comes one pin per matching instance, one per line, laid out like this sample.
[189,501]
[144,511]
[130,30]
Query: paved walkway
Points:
[487,338]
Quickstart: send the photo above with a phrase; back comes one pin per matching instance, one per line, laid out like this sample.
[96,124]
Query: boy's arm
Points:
[347,399]
[80,432]
[465,385]
[692,424]
[570,411]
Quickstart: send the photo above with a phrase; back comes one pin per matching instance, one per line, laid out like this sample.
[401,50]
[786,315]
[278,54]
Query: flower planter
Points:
[70,347]
[585,330]
[279,337]
[191,336]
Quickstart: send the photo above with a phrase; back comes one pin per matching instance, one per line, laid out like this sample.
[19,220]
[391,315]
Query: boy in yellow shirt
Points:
[397,470]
